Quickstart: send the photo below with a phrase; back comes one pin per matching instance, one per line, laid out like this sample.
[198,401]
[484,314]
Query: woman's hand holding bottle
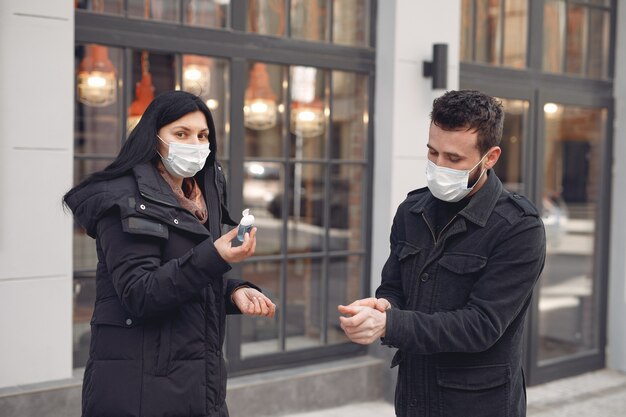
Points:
[233,254]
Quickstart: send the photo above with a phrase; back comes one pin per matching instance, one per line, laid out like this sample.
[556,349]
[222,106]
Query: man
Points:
[465,255]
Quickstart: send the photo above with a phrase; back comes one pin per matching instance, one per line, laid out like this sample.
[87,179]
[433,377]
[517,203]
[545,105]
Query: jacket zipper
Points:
[436,240]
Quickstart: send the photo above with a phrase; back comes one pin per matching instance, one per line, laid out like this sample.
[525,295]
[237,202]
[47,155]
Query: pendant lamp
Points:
[259,110]
[196,74]
[97,78]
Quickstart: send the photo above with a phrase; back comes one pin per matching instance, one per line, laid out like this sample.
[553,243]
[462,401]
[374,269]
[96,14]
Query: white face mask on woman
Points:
[184,160]
[449,184]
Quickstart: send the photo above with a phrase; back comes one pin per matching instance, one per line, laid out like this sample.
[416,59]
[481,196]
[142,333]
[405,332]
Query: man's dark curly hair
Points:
[473,111]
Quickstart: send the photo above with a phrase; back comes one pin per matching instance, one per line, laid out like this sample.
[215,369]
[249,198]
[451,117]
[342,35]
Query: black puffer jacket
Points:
[161,299]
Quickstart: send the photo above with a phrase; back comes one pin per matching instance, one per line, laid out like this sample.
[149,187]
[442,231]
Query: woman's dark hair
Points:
[141,145]
[470,110]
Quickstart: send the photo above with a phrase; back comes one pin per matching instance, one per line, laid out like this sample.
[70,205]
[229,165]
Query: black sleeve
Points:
[146,287]
[391,282]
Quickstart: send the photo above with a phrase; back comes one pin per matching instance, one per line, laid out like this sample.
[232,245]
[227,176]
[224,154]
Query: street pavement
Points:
[594,394]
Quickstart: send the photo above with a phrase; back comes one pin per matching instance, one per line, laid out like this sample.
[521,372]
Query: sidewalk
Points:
[601,393]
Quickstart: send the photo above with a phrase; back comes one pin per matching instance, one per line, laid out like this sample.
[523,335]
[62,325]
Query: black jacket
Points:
[459,301]
[161,299]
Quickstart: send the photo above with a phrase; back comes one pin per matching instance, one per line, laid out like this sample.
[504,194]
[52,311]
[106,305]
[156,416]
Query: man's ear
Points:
[492,157]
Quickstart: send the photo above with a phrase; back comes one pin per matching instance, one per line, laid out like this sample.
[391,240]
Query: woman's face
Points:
[190,129]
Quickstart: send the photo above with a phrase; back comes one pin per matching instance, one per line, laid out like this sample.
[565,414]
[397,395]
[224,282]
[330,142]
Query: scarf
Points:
[189,196]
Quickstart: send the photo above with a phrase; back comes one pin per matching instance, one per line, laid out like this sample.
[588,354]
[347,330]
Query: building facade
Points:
[322,110]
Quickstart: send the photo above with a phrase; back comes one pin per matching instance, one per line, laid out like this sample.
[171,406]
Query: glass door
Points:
[568,326]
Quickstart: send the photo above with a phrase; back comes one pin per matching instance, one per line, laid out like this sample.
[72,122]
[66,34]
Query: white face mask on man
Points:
[184,160]
[449,184]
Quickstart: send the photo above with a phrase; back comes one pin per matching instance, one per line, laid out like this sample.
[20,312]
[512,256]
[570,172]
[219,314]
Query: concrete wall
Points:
[407,30]
[36,144]
[616,348]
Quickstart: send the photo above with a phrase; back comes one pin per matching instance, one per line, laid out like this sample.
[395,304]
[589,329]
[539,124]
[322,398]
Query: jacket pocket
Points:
[116,334]
[480,391]
[456,277]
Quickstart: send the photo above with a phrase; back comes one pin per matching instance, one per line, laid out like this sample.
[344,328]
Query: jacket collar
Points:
[479,208]
[152,185]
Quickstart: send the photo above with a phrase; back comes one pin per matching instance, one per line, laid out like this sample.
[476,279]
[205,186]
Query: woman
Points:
[156,213]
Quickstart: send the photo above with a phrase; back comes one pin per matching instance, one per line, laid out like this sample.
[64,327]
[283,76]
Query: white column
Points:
[616,348]
[36,145]
[406,32]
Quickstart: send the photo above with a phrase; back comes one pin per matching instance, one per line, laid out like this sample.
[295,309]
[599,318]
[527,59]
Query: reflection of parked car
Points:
[554,216]
[312,204]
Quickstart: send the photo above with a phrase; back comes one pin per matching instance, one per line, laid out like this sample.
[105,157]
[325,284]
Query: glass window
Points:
[349,117]
[488,35]
[568,311]
[299,161]
[162,10]
[101,6]
[495,32]
[263,194]
[509,167]
[309,111]
[259,335]
[208,78]
[206,13]
[351,21]
[515,33]
[576,38]
[264,110]
[309,20]
[467,30]
[266,17]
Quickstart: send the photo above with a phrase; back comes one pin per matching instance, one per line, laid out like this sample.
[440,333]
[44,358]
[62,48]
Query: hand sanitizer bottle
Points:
[245,225]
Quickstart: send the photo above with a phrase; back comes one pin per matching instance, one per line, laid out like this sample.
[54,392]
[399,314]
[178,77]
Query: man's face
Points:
[458,149]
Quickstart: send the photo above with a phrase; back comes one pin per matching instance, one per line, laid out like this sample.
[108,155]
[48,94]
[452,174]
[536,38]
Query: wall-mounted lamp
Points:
[438,68]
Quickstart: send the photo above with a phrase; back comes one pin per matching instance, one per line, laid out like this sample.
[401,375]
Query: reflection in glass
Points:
[266,17]
[162,10]
[553,35]
[309,20]
[467,25]
[509,166]
[350,117]
[515,33]
[568,312]
[303,318]
[345,275]
[598,62]
[347,202]
[206,13]
[96,129]
[488,33]
[306,208]
[263,191]
[264,110]
[102,6]
[351,22]
[84,292]
[259,335]
[308,112]
[577,33]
